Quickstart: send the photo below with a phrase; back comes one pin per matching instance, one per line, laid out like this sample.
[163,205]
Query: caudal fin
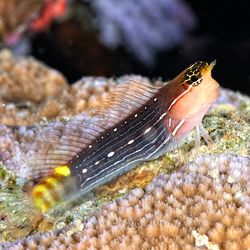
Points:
[18,215]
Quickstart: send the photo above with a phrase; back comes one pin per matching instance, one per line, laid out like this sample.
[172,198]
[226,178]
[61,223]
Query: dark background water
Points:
[222,32]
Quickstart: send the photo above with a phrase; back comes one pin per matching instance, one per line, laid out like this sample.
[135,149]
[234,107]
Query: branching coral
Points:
[205,204]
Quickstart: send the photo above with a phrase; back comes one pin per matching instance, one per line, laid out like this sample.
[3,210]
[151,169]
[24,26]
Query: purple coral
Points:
[144,27]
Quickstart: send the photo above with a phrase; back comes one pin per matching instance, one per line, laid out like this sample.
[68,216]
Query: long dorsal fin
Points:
[124,100]
[60,141]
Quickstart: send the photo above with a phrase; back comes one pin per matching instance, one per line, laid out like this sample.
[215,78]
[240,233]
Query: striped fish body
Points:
[140,137]
[139,122]
[154,125]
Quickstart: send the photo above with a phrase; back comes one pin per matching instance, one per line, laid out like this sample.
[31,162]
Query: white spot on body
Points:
[77,156]
[145,107]
[90,146]
[147,130]
[155,99]
[102,137]
[131,141]
[115,129]
[97,162]
[111,154]
[136,115]
[84,170]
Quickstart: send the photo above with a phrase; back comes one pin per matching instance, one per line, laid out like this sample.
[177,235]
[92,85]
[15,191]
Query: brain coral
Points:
[204,205]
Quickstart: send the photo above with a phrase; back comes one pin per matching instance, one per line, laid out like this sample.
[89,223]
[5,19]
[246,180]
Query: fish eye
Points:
[193,74]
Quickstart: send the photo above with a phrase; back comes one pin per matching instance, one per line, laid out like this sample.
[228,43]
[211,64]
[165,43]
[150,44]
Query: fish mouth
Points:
[208,68]
[212,64]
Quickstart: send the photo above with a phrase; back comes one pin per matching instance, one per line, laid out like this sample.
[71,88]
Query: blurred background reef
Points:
[113,38]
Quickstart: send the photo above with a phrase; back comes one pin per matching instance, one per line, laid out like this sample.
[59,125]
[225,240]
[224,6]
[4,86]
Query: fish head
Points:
[194,90]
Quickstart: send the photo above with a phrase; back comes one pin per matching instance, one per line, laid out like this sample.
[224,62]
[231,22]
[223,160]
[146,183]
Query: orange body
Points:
[189,103]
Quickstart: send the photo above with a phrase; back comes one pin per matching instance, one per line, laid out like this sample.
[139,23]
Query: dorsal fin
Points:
[60,141]
[125,99]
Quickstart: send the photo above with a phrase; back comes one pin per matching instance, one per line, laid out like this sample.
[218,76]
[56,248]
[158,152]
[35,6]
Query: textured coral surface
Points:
[204,204]
[24,11]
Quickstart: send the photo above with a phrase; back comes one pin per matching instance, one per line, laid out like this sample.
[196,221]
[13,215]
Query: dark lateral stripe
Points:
[111,170]
[136,148]
[122,140]
[120,144]
[117,171]
[137,124]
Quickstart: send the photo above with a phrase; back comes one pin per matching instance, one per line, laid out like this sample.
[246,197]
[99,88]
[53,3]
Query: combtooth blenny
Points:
[139,122]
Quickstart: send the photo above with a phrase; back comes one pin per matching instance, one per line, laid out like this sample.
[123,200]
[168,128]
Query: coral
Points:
[29,17]
[145,27]
[24,11]
[200,205]
[31,92]
[25,85]
[204,204]
[25,79]
[228,125]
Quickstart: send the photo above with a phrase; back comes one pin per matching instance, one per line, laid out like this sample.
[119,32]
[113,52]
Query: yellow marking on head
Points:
[62,170]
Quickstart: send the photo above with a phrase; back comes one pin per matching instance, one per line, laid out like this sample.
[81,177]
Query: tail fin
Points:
[18,214]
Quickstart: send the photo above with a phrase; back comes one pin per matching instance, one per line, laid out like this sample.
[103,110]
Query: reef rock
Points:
[194,203]
[204,205]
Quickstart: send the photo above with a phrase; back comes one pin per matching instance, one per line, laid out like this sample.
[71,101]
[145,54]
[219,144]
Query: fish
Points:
[138,122]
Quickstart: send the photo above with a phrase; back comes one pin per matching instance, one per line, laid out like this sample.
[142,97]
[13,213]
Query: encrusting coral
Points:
[204,205]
